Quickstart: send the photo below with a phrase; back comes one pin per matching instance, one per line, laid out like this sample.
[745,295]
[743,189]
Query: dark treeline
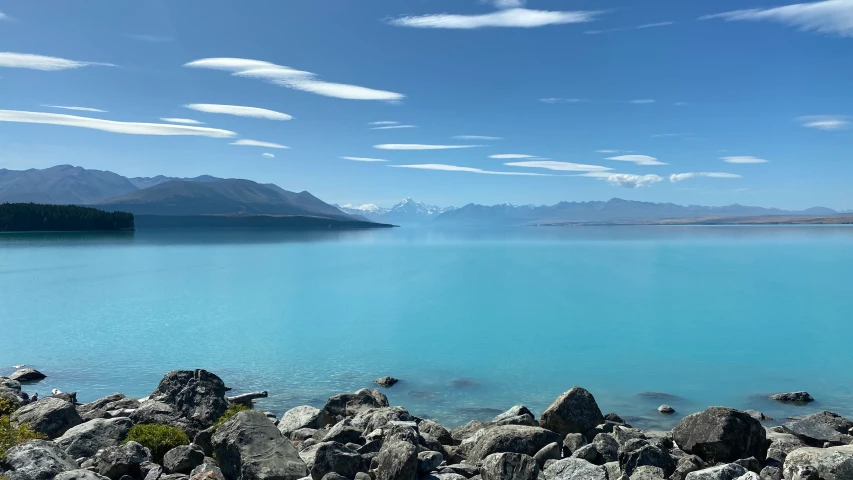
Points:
[34,217]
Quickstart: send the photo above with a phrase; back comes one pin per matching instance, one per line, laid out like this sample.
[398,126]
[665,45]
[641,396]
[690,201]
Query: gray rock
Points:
[607,447]
[436,431]
[749,476]
[833,463]
[637,453]
[371,419]
[647,472]
[250,447]
[103,407]
[343,432]
[79,475]
[517,415]
[509,466]
[386,382]
[613,470]
[729,471]
[27,375]
[574,469]
[589,453]
[467,470]
[298,418]
[721,435]
[302,434]
[797,398]
[363,476]
[204,439]
[666,409]
[429,461]
[751,464]
[466,431]
[572,442]
[207,471]
[333,457]
[196,398]
[685,465]
[11,389]
[510,439]
[770,473]
[50,416]
[761,417]
[552,451]
[572,412]
[160,413]
[38,460]
[820,428]
[86,439]
[781,444]
[116,462]
[446,476]
[398,458]
[350,404]
[183,459]
[615,418]
[624,434]
[334,476]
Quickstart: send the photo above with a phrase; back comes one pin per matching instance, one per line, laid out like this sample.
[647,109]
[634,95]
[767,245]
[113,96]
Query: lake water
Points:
[474,321]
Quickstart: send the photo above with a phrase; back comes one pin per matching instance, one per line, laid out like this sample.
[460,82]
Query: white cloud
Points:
[828,17]
[268,155]
[291,78]
[40,62]
[151,38]
[655,25]
[3,16]
[393,127]
[130,128]
[644,160]
[743,159]
[506,3]
[826,122]
[553,100]
[514,17]
[607,151]
[642,101]
[256,143]
[625,180]
[187,121]
[79,109]
[507,156]
[559,166]
[384,122]
[363,159]
[678,177]
[239,111]
[417,146]
[475,137]
[454,168]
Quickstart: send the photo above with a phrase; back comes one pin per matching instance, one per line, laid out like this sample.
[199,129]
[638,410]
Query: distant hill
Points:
[61,185]
[147,182]
[612,211]
[255,222]
[406,212]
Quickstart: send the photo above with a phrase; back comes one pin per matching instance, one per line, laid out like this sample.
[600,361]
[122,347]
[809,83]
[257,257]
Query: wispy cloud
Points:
[291,78]
[744,159]
[665,135]
[363,159]
[151,38]
[505,3]
[475,137]
[3,16]
[268,155]
[622,29]
[130,128]
[41,62]
[644,160]
[418,146]
[394,127]
[553,100]
[454,168]
[239,111]
[655,25]
[833,17]
[642,101]
[507,156]
[255,143]
[606,30]
[678,177]
[681,104]
[79,109]
[186,121]
[384,122]
[608,151]
[625,180]
[559,166]
[826,122]
[513,17]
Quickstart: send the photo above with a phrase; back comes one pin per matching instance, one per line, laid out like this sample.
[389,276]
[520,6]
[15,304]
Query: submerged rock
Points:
[799,398]
[27,375]
[572,412]
[666,409]
[386,382]
[721,434]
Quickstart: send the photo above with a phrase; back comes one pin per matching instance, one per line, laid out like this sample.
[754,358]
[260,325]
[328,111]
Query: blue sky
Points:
[669,89]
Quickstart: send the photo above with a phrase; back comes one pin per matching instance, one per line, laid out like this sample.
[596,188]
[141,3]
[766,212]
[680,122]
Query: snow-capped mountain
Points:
[407,211]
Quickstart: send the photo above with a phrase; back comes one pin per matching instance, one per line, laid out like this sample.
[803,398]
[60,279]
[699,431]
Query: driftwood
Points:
[246,398]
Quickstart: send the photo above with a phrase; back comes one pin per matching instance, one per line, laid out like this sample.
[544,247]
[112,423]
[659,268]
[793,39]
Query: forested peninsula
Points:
[34,217]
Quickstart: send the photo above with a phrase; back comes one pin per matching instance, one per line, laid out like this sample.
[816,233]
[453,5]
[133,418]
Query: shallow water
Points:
[473,320]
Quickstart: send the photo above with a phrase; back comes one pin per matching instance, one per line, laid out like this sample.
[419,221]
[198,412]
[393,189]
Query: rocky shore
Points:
[190,428]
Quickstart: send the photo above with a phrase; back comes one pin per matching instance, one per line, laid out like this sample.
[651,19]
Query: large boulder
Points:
[398,457]
[781,444]
[194,400]
[11,390]
[299,417]
[79,475]
[250,447]
[637,453]
[833,463]
[509,466]
[428,461]
[574,469]
[821,428]
[115,405]
[730,471]
[436,431]
[126,459]
[334,457]
[50,416]
[647,472]
[572,412]
[38,460]
[464,432]
[183,459]
[86,439]
[721,434]
[509,439]
[517,415]
[27,375]
[350,404]
[371,419]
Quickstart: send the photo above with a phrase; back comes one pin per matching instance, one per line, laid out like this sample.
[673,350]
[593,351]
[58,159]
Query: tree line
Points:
[24,217]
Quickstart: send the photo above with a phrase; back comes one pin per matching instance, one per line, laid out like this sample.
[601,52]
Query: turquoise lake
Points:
[472,320]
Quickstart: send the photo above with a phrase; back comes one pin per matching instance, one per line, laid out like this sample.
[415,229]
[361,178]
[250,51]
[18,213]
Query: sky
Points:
[449,102]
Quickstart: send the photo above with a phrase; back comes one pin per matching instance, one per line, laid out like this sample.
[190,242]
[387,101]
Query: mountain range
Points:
[406,212]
